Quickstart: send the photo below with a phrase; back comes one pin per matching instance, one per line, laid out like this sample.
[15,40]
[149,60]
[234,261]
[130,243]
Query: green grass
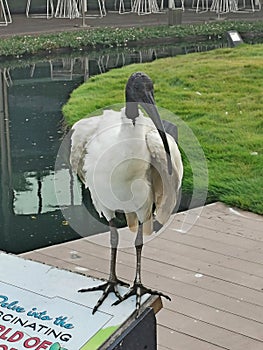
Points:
[219,95]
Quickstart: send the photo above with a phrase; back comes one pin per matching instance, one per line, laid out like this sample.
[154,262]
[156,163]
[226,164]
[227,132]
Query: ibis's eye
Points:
[149,86]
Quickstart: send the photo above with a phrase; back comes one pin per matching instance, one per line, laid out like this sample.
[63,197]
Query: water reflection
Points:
[32,95]
[35,193]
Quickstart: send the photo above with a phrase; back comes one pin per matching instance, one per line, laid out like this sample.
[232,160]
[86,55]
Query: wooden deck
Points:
[213,273]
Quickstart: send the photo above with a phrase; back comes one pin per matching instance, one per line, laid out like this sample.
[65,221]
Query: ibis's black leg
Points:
[138,288]
[113,282]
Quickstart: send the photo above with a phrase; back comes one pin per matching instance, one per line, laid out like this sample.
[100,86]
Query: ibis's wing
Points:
[82,132]
[165,187]
[171,129]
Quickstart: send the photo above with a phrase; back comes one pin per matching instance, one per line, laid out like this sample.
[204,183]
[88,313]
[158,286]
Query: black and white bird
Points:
[129,164]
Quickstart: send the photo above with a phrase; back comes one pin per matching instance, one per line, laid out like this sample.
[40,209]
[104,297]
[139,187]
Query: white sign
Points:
[40,308]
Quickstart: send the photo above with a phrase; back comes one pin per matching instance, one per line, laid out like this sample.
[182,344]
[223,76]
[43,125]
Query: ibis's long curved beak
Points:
[149,105]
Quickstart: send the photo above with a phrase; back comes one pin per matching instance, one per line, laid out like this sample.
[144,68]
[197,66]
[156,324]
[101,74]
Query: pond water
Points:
[31,127]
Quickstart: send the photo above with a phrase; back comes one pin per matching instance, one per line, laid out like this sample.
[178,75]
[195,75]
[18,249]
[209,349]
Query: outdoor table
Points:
[40,308]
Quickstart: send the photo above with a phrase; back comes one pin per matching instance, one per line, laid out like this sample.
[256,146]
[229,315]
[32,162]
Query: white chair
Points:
[7,77]
[224,6]
[49,13]
[144,7]
[121,8]
[171,4]
[249,6]
[101,6]
[67,9]
[200,6]
[5,16]
[61,70]
[110,61]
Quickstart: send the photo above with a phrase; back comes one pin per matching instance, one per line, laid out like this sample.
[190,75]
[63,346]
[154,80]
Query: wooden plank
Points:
[220,301]
[216,317]
[166,255]
[216,242]
[203,254]
[217,301]
[248,232]
[219,209]
[160,347]
[227,244]
[182,278]
[206,246]
[54,261]
[227,230]
[185,263]
[218,336]
[95,250]
[174,340]
[235,217]
[229,224]
[203,284]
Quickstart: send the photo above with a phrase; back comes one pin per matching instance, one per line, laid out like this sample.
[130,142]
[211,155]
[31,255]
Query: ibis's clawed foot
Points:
[108,287]
[139,290]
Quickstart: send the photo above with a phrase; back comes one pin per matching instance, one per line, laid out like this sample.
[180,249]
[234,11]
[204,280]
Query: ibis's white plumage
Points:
[130,164]
[125,167]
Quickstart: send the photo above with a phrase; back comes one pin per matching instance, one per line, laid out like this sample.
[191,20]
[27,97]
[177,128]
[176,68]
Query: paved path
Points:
[22,25]
[213,273]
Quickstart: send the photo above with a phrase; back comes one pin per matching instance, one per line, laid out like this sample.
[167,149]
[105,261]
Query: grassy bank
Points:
[114,37]
[219,94]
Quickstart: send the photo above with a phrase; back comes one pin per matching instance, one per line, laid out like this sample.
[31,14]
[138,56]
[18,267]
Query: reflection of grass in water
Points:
[219,94]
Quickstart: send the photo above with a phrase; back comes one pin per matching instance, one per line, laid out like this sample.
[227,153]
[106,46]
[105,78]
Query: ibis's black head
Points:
[139,90]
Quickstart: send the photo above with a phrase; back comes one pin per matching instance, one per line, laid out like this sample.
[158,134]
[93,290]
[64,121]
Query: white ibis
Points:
[130,164]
